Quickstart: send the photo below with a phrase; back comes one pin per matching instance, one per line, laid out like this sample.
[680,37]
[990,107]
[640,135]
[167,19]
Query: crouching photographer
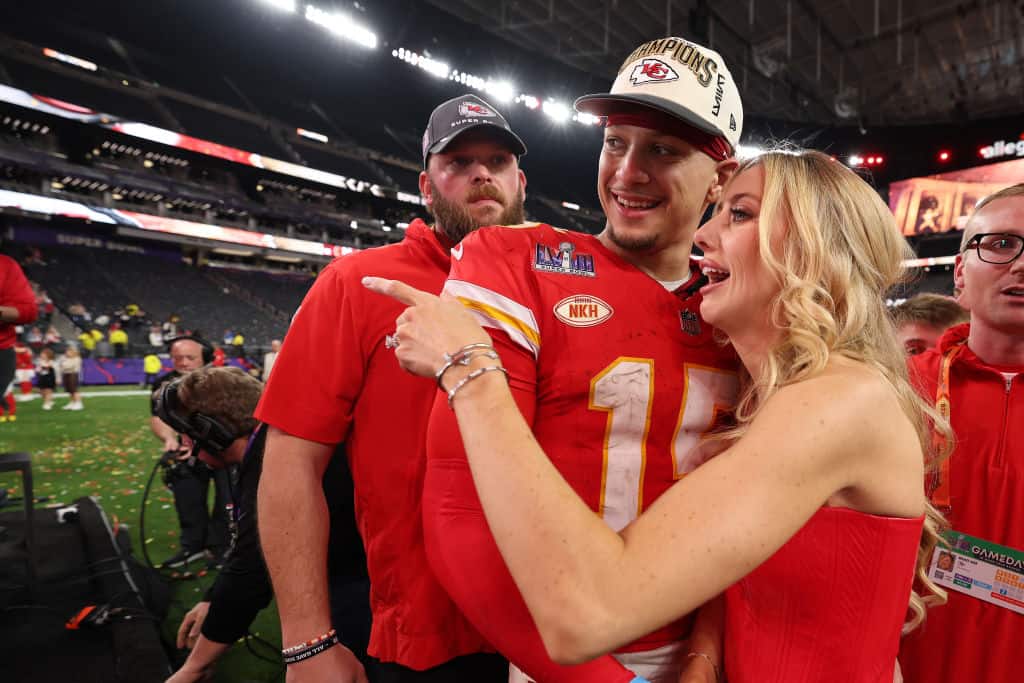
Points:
[211,408]
[204,531]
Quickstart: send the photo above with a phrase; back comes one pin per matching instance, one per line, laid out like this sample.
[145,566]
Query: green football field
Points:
[107,451]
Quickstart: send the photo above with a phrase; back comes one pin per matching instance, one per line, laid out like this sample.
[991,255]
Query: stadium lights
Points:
[871,160]
[402,225]
[312,135]
[502,91]
[571,205]
[342,26]
[556,111]
[431,66]
[529,101]
[69,59]
[586,118]
[282,258]
[285,5]
[945,155]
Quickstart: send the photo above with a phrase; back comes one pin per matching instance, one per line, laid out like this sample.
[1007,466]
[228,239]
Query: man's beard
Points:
[639,243]
[454,220]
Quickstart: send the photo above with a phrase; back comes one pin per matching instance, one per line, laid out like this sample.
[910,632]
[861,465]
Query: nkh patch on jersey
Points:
[563,260]
[582,310]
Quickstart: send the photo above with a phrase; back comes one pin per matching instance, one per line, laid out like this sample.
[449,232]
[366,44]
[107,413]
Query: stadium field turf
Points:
[107,451]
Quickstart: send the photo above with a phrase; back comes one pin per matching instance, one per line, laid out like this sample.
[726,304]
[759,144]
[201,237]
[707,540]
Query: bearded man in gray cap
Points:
[341,338]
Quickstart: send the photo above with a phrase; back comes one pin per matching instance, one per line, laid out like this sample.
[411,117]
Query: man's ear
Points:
[724,170]
[425,189]
[958,280]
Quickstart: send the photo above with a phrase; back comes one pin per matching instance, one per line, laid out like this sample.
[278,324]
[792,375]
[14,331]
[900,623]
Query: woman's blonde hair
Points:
[842,253]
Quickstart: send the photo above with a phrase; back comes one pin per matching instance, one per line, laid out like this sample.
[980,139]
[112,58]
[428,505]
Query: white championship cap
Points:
[680,78]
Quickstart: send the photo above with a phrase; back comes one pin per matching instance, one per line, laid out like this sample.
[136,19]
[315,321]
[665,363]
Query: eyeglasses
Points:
[996,247]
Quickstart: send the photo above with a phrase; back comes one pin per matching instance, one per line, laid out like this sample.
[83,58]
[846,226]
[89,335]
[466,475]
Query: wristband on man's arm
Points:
[310,648]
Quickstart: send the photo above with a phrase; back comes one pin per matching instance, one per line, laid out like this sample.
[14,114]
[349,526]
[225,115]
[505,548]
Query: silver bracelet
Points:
[472,376]
[705,655]
[462,357]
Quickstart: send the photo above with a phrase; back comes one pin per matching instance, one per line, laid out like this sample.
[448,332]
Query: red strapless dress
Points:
[828,606]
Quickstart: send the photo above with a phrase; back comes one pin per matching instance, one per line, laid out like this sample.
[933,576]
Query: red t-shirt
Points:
[618,377]
[16,292]
[968,639]
[335,381]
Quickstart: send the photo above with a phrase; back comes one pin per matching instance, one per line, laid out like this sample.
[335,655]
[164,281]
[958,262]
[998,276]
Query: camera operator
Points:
[199,528]
[212,410]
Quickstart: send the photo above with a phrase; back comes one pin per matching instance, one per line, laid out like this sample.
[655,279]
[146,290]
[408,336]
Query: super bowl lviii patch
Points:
[563,260]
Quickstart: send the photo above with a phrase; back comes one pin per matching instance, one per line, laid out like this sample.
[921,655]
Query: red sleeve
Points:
[17,292]
[319,370]
[460,547]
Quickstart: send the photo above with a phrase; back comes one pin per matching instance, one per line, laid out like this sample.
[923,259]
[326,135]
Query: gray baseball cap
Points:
[459,114]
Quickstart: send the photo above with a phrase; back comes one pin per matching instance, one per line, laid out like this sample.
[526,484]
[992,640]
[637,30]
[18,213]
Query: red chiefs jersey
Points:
[619,378]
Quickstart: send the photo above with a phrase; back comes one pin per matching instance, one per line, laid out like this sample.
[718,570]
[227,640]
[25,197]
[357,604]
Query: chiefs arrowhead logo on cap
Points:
[653,70]
[468,108]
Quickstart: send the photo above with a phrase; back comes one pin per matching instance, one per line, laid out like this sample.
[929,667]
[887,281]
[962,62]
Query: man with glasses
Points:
[976,376]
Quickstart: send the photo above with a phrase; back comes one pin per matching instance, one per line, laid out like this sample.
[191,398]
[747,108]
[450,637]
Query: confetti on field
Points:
[109,453]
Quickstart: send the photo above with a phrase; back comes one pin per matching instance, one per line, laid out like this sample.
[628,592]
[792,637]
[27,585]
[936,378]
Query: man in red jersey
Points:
[976,374]
[17,307]
[359,395]
[607,355]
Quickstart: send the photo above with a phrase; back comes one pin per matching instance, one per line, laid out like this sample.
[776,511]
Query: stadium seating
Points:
[105,281]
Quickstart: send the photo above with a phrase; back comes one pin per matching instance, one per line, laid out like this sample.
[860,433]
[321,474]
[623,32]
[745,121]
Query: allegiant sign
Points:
[1003,148]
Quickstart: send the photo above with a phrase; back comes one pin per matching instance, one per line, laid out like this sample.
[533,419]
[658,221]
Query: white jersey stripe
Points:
[498,312]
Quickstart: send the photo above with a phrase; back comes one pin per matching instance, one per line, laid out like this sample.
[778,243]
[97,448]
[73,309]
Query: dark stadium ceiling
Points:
[837,61]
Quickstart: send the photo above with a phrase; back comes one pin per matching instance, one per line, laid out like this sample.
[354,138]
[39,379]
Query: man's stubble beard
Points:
[640,243]
[454,220]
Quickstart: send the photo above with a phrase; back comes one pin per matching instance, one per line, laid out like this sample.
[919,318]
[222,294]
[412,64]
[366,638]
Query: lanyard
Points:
[231,508]
[938,480]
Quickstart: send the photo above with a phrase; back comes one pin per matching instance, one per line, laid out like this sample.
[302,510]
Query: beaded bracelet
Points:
[309,643]
[704,655]
[472,376]
[312,650]
[462,357]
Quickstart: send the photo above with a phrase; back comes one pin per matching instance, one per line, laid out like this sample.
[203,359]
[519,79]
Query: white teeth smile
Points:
[714,274]
[635,205]
[1015,292]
